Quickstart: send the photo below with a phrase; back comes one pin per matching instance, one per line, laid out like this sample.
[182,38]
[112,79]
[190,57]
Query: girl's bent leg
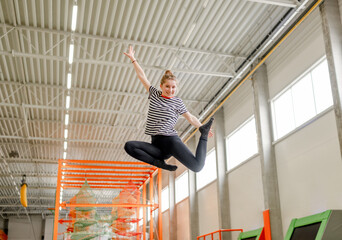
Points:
[147,153]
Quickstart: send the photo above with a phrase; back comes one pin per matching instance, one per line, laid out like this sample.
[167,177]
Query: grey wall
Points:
[208,209]
[23,229]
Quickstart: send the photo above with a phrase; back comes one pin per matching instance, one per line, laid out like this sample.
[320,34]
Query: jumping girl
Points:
[164,110]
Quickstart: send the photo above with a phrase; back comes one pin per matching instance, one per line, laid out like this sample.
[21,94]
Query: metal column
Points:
[332,33]
[266,150]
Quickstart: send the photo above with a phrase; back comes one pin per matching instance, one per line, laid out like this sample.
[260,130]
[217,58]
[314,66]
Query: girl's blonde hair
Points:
[168,75]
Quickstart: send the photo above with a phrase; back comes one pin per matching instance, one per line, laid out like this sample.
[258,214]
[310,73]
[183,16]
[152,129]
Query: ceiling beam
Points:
[50,198]
[124,41]
[14,53]
[29,206]
[73,123]
[89,90]
[60,139]
[70,109]
[31,187]
[283,3]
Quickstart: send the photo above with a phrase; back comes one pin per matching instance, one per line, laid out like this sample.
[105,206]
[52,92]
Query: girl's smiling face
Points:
[169,88]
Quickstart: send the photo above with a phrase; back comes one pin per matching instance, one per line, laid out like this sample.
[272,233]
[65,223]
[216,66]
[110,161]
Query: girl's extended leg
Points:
[181,152]
[148,153]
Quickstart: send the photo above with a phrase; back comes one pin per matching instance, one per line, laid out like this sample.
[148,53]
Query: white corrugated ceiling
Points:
[203,42]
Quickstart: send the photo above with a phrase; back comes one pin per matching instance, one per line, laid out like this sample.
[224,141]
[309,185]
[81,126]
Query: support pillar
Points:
[266,150]
[222,178]
[173,212]
[332,34]
[193,197]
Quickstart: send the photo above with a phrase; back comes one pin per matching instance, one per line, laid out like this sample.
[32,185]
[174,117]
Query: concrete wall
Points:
[23,229]
[166,225]
[183,227]
[208,209]
[309,170]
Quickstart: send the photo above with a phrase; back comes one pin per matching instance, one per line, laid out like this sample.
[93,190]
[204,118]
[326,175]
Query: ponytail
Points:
[168,75]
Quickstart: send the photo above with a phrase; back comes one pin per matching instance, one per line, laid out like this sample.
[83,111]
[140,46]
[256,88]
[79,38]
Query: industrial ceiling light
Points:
[74,18]
[66,119]
[71,53]
[69,81]
[67,104]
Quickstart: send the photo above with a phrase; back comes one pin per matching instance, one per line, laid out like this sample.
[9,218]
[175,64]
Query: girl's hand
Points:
[130,53]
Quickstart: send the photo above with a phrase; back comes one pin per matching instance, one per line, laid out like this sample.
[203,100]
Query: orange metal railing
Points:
[109,175]
[219,232]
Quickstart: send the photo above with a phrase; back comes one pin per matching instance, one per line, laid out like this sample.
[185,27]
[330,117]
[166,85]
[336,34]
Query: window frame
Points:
[176,189]
[212,180]
[168,199]
[288,88]
[234,132]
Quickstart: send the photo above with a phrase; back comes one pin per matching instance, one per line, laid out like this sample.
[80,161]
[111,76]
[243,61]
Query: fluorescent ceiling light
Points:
[74,18]
[67,105]
[64,156]
[65,145]
[71,53]
[69,81]
[65,133]
[66,119]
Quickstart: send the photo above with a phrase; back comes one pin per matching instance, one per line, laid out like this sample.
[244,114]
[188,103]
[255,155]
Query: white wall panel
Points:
[22,229]
[296,54]
[183,226]
[208,209]
[309,170]
[2,224]
[48,231]
[166,225]
[246,195]
[239,107]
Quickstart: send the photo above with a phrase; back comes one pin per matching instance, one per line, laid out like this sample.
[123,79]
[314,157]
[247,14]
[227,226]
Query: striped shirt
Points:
[163,113]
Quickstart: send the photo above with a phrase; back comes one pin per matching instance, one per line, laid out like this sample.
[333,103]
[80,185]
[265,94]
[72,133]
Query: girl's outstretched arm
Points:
[140,72]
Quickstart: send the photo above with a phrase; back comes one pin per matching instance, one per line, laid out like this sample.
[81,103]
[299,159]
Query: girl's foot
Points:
[163,165]
[205,129]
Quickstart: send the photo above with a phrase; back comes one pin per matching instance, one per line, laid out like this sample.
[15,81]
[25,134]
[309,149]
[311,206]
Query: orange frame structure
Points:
[110,175]
[219,232]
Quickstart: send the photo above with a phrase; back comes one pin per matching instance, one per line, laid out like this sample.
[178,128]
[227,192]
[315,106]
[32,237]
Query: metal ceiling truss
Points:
[116,42]
[284,3]
[76,90]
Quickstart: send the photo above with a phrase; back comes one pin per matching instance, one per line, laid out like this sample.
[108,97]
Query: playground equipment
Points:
[263,233]
[324,226]
[129,177]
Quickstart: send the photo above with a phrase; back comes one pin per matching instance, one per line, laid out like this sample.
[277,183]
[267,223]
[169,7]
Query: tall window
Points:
[165,199]
[182,187]
[302,100]
[241,144]
[208,173]
[141,215]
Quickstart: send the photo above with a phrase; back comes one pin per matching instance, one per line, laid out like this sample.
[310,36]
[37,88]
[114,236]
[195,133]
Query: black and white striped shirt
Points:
[163,113]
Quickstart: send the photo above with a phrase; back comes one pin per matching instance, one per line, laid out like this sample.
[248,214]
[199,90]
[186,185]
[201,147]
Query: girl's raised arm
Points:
[140,72]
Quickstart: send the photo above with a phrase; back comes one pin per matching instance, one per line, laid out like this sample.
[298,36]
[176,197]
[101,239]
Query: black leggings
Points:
[163,147]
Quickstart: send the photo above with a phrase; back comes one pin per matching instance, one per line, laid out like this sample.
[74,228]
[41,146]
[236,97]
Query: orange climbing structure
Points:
[129,177]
